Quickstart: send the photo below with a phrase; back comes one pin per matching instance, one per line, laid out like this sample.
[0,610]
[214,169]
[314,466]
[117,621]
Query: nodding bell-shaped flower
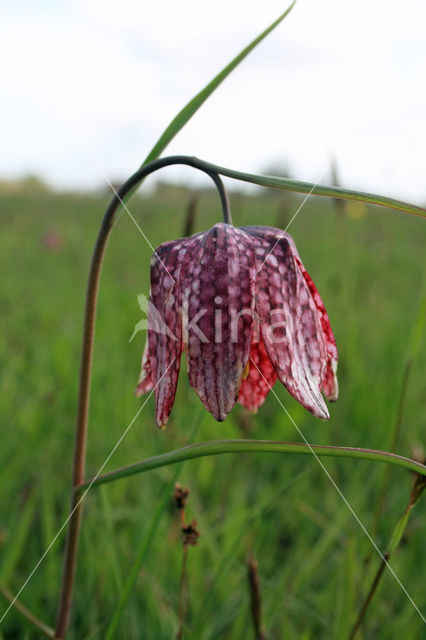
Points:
[241,304]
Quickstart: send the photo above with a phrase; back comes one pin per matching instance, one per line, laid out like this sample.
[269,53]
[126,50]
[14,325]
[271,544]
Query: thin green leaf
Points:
[217,447]
[298,186]
[192,107]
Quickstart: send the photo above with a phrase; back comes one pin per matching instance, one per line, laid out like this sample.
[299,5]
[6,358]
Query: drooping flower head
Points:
[242,306]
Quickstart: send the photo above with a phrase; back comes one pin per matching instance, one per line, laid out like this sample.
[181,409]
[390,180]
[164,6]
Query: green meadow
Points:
[315,562]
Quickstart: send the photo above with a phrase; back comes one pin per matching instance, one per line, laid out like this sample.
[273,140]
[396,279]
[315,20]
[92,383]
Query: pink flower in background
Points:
[53,240]
[245,310]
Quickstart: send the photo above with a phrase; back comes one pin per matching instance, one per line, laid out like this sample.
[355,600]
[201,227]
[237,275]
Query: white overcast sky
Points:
[87,86]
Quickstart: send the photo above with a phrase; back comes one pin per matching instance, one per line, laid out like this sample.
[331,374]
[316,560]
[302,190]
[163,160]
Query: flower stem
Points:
[217,447]
[70,559]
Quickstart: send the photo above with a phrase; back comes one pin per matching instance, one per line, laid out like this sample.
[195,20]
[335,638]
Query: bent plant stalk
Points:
[222,447]
[70,560]
[119,198]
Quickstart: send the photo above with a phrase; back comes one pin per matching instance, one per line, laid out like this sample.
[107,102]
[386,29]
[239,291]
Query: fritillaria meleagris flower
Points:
[241,304]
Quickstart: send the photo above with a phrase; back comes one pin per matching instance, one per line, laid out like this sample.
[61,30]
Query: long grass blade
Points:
[192,107]
[218,447]
[299,186]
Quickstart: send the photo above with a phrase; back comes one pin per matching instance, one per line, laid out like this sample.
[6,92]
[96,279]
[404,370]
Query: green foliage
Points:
[367,265]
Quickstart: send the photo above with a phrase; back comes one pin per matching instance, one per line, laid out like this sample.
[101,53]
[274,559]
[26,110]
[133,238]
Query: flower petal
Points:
[218,304]
[165,324]
[260,379]
[330,385]
[290,328]
[145,382]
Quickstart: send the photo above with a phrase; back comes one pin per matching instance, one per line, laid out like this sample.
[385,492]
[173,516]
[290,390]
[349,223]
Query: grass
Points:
[368,266]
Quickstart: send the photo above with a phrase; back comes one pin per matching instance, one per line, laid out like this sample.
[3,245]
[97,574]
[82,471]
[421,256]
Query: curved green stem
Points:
[299,186]
[218,447]
[70,558]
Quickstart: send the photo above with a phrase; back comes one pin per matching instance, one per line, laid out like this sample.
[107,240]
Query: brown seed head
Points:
[190,534]
[180,496]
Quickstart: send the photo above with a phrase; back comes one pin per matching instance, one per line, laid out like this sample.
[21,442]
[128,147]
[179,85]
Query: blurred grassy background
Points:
[368,266]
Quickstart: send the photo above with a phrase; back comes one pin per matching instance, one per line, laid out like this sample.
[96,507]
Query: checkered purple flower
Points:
[243,307]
